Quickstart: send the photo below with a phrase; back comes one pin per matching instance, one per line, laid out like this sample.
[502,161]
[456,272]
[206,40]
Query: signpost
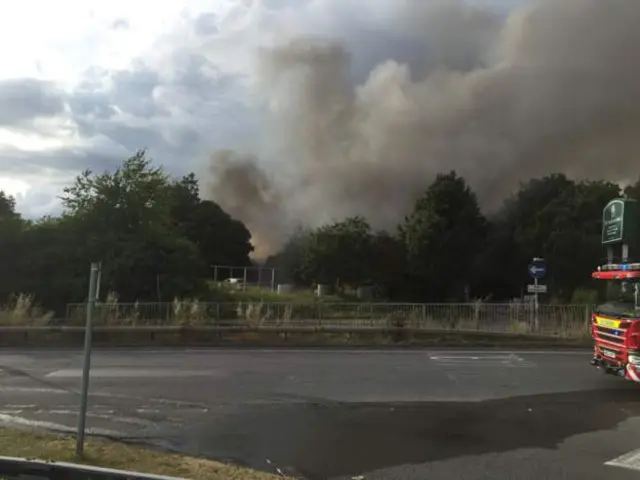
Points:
[91,300]
[536,288]
[619,226]
[612,222]
[537,269]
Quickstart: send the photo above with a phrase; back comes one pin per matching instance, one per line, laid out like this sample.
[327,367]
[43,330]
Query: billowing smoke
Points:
[552,87]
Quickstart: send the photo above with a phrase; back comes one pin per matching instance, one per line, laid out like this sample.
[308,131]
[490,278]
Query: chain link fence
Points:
[556,320]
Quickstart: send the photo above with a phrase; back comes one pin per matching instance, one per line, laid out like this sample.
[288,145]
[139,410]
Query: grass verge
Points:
[107,454]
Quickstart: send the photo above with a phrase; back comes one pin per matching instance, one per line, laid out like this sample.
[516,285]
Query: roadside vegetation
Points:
[61,448]
[510,318]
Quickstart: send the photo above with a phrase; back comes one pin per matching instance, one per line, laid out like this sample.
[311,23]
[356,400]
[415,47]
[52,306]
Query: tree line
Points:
[446,250]
[158,240]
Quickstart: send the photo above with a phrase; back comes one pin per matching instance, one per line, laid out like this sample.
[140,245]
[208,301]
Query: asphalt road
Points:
[321,414]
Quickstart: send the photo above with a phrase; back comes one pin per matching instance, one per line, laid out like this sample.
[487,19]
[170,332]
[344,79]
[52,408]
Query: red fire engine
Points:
[615,325]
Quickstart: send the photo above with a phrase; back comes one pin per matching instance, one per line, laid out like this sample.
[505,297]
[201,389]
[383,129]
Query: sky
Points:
[85,83]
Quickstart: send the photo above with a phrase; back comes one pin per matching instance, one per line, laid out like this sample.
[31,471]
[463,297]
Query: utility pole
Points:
[84,394]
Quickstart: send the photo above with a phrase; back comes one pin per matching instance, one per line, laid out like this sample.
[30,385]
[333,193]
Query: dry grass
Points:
[22,310]
[557,320]
[61,448]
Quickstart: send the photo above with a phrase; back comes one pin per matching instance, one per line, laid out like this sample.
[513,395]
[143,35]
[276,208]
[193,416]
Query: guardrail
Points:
[556,320]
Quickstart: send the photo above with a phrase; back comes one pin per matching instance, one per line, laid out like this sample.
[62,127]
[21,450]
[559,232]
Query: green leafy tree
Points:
[221,239]
[11,230]
[442,237]
[389,264]
[340,253]
[125,219]
[560,220]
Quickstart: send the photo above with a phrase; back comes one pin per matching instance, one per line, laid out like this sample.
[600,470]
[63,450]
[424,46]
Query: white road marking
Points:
[511,352]
[630,460]
[112,418]
[32,390]
[132,373]
[482,361]
[142,400]
[25,422]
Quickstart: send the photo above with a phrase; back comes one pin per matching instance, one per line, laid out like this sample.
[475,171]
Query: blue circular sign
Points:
[537,268]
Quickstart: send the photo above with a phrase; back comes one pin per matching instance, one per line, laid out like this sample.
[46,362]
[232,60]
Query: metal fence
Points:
[563,320]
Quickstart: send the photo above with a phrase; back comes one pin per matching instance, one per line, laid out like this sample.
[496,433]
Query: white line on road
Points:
[484,353]
[474,361]
[101,416]
[25,422]
[33,390]
[132,373]
[142,400]
[630,460]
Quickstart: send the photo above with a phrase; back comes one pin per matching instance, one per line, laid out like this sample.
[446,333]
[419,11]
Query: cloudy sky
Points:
[86,82]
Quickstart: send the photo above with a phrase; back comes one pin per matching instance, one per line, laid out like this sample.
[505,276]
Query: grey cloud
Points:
[23,100]
[91,104]
[40,202]
[63,161]
[206,24]
[133,90]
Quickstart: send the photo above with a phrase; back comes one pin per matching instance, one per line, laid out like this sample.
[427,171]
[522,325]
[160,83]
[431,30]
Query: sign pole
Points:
[82,416]
[537,270]
[536,320]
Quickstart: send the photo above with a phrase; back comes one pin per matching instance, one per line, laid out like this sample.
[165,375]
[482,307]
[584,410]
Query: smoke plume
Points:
[552,87]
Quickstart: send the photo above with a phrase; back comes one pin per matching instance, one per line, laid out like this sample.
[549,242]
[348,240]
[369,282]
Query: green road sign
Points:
[619,221]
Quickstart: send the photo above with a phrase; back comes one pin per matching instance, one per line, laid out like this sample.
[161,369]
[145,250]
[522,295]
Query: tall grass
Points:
[559,321]
[22,310]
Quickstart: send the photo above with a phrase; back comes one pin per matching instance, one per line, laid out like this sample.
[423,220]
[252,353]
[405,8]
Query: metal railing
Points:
[557,320]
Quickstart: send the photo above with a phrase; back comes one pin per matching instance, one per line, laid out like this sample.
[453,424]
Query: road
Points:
[320,414]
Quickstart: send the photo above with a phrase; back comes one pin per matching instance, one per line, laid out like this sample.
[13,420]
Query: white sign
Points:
[537,288]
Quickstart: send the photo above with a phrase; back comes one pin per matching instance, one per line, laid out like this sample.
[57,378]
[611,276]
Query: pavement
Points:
[342,414]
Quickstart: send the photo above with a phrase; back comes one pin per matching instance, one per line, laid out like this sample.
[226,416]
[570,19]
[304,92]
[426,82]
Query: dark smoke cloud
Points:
[552,88]
[246,193]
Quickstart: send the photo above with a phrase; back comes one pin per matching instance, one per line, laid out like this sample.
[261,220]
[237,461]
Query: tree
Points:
[389,264]
[442,237]
[340,253]
[220,239]
[288,260]
[11,229]
[125,219]
[53,263]
[560,220]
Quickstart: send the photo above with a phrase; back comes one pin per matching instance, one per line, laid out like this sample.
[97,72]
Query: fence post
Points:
[587,317]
